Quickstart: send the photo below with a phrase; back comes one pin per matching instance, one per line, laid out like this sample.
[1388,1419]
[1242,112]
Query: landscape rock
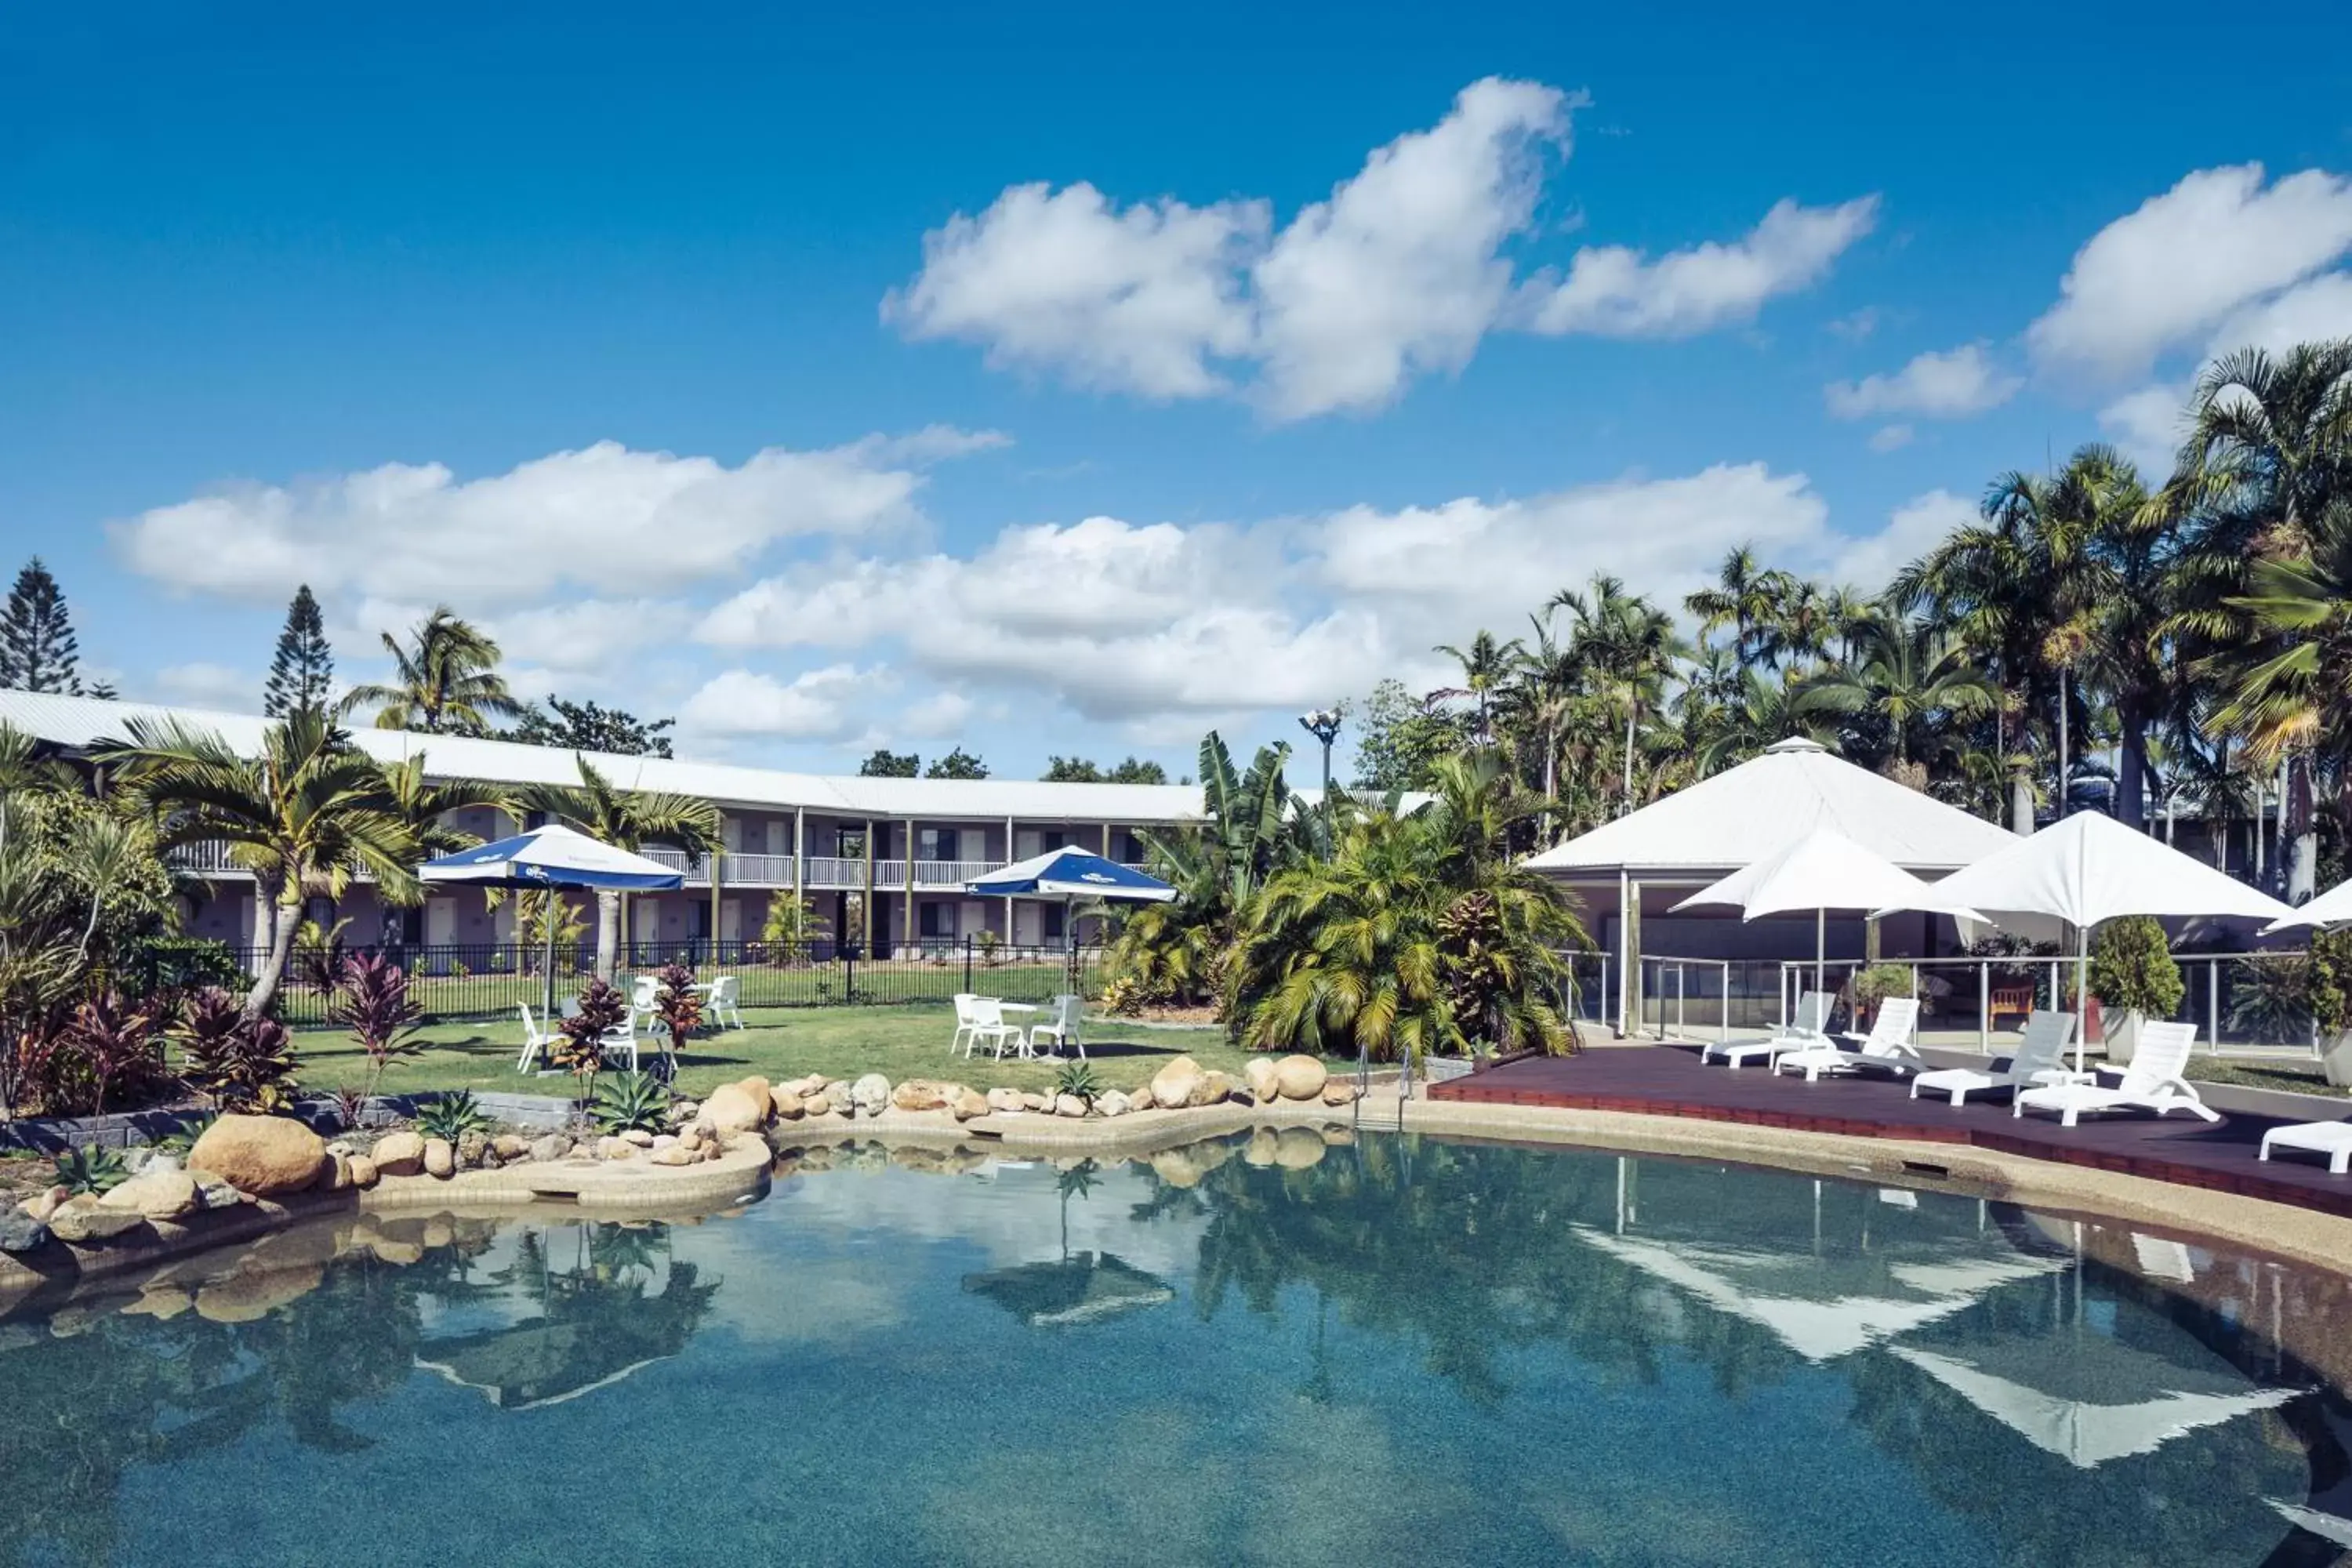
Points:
[1070,1105]
[819,1104]
[757,1087]
[1034,1101]
[1265,1084]
[1111,1103]
[1339,1091]
[1174,1085]
[680,1113]
[216,1192]
[20,1232]
[969,1104]
[1215,1089]
[509,1147]
[1003,1099]
[139,1162]
[363,1172]
[165,1194]
[836,1089]
[440,1158]
[870,1094]
[610,1148]
[42,1206]
[83,1218]
[638,1136]
[264,1155]
[397,1155]
[336,1173]
[554,1146]
[921,1094]
[732,1109]
[788,1103]
[675,1154]
[473,1149]
[1300,1077]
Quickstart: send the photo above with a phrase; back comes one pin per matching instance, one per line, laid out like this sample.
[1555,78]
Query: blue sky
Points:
[1076,379]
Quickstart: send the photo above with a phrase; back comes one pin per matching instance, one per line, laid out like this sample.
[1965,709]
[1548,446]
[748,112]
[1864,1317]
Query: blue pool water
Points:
[1397,1351]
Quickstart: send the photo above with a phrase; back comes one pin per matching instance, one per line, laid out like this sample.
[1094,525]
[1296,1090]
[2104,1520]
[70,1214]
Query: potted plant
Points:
[2330,990]
[2134,978]
[1875,985]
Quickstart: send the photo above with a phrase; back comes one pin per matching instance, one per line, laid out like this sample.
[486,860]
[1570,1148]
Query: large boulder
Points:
[788,1103]
[20,1232]
[758,1088]
[1215,1089]
[1173,1086]
[554,1146]
[165,1192]
[922,1094]
[870,1094]
[970,1103]
[84,1218]
[1002,1098]
[1300,1077]
[732,1109]
[1070,1105]
[264,1155]
[1259,1074]
[819,1104]
[509,1147]
[1339,1091]
[1110,1103]
[364,1173]
[440,1157]
[397,1155]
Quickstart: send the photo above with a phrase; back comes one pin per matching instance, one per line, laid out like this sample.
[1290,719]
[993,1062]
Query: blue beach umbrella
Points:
[1070,875]
[550,858]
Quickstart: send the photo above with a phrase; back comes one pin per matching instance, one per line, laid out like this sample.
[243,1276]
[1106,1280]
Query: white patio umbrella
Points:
[2089,868]
[1823,871]
[2333,907]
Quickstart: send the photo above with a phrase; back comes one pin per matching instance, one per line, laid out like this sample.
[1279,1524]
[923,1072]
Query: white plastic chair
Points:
[726,992]
[2040,1058]
[1887,1046]
[1062,1028]
[535,1040]
[1806,1029]
[989,1028]
[622,1036]
[644,993]
[962,1035]
[2332,1139]
[2154,1080]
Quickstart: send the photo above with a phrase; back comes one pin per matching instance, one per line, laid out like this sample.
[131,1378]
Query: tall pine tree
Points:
[37,640]
[303,671]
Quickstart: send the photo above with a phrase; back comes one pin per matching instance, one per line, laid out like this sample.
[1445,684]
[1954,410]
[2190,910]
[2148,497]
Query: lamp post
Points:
[1324,725]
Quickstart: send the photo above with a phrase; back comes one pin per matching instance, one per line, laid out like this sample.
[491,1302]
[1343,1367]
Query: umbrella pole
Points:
[1820,944]
[547,1014]
[2082,995]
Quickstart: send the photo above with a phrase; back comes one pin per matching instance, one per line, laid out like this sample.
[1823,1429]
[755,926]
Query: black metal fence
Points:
[480,980]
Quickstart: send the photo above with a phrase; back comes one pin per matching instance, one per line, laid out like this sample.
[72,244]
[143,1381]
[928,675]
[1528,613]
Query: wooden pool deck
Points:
[1671,1080]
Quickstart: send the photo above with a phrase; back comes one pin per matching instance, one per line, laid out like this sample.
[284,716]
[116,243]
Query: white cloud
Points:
[584,517]
[1613,291]
[1866,561]
[1402,270]
[1890,437]
[2146,426]
[1949,385]
[204,685]
[941,714]
[823,704]
[2317,308]
[1160,626]
[1136,299]
[2184,262]
[580,637]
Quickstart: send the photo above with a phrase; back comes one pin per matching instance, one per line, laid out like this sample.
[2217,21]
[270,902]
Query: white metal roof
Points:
[76,721]
[1766,803]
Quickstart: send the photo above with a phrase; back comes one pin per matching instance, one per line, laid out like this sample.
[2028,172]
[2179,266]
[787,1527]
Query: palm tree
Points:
[304,815]
[445,682]
[1744,598]
[1630,648]
[1763,711]
[626,819]
[2267,465]
[1917,681]
[1486,666]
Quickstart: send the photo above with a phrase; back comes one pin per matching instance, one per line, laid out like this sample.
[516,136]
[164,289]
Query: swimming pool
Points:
[1264,1350]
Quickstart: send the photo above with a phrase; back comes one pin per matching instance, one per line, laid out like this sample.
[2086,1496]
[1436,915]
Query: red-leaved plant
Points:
[673,999]
[374,1005]
[581,1048]
[117,1044]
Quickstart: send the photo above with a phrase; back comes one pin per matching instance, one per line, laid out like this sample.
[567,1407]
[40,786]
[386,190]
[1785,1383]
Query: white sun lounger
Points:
[1887,1048]
[1805,1029]
[2040,1058]
[2333,1139]
[2153,1081]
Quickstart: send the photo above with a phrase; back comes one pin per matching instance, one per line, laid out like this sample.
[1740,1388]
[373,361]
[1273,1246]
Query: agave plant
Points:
[90,1170]
[631,1100]
[182,1138]
[452,1116]
[1078,1078]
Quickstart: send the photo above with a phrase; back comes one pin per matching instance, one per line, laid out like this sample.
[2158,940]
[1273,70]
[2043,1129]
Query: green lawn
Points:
[2294,1075]
[781,1043]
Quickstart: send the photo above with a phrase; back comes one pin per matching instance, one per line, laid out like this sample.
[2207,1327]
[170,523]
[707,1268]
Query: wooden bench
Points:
[2010,1002]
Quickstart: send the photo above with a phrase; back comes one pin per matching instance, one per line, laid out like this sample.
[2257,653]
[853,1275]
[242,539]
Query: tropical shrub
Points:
[1880,980]
[236,1061]
[581,1047]
[786,928]
[674,1000]
[182,1138]
[117,1045]
[373,1003]
[451,1116]
[90,1170]
[2132,968]
[988,943]
[631,1100]
[2329,990]
[1078,1078]
[169,966]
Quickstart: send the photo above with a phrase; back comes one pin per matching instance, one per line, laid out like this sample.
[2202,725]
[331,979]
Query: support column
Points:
[1010,938]
[866,908]
[800,864]
[907,935]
